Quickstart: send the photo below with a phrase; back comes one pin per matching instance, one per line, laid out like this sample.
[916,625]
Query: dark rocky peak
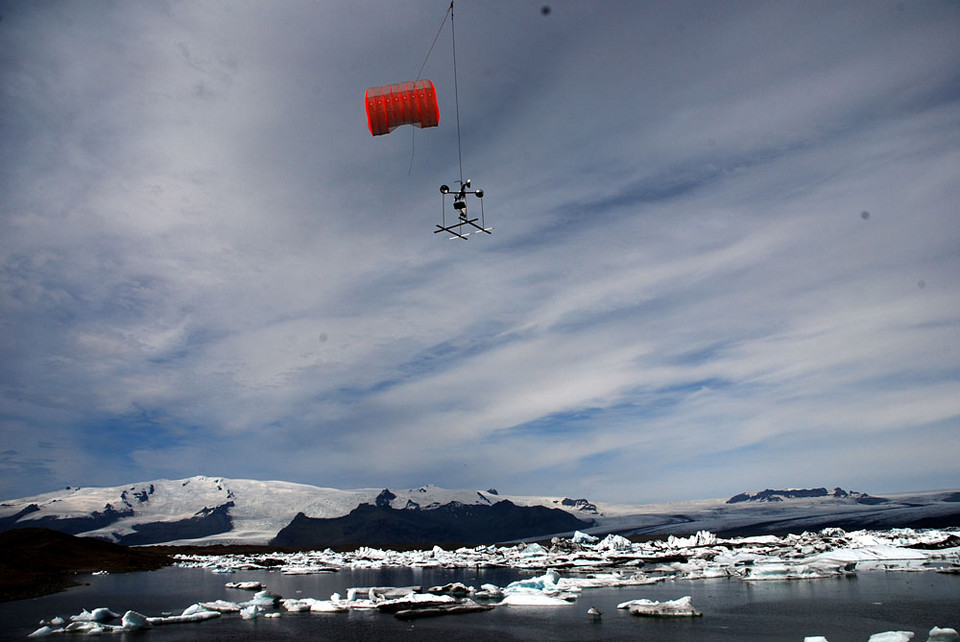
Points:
[581,505]
[384,498]
[778,495]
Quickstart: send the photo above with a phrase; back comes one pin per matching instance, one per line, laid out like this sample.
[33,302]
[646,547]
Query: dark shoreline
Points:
[39,561]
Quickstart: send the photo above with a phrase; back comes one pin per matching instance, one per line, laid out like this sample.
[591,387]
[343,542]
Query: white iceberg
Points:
[101,614]
[244,586]
[42,632]
[223,606]
[88,627]
[193,613]
[297,605]
[891,636]
[942,635]
[682,607]
[133,621]
[614,543]
[533,598]
[263,598]
[333,605]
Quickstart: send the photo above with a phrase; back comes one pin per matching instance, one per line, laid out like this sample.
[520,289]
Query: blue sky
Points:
[726,252]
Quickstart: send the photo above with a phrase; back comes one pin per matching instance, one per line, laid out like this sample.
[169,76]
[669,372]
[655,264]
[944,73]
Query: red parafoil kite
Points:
[406,103]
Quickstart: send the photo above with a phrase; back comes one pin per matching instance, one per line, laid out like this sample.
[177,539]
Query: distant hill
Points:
[452,523]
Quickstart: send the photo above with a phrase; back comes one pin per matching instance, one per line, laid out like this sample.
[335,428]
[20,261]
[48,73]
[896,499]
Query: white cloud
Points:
[208,261]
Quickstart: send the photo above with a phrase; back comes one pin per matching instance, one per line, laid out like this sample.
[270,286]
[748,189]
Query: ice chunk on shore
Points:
[682,607]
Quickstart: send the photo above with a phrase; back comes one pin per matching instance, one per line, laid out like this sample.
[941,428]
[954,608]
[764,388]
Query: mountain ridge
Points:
[205,510]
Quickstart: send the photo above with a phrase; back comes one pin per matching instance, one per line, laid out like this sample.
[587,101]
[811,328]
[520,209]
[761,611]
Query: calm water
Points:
[841,609]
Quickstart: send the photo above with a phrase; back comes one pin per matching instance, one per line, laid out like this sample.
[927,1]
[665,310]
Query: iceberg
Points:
[533,598]
[263,598]
[223,606]
[942,635]
[682,607]
[193,613]
[333,605]
[297,605]
[244,586]
[891,636]
[133,621]
[101,614]
[583,538]
[85,627]
[614,543]
[42,632]
[458,608]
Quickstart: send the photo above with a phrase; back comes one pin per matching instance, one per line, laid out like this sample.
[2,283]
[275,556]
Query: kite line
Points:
[456,91]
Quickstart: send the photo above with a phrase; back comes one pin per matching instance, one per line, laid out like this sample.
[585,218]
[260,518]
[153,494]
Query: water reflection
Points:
[839,608]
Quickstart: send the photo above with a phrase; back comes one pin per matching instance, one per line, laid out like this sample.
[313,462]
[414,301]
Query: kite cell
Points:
[406,103]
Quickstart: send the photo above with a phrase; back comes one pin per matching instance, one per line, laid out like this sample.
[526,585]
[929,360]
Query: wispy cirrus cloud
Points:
[725,248]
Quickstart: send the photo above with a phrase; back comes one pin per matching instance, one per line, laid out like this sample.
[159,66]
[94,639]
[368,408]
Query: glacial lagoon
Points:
[842,586]
[845,608]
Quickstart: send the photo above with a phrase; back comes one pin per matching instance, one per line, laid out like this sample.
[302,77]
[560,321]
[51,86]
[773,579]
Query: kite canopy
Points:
[406,103]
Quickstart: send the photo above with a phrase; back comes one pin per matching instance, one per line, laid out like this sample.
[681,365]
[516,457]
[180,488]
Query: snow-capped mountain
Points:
[216,510]
[209,510]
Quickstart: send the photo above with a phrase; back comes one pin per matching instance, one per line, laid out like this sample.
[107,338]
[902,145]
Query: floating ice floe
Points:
[101,614]
[193,613]
[223,606]
[891,636]
[131,621]
[682,607]
[264,599]
[533,598]
[936,635]
[244,586]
